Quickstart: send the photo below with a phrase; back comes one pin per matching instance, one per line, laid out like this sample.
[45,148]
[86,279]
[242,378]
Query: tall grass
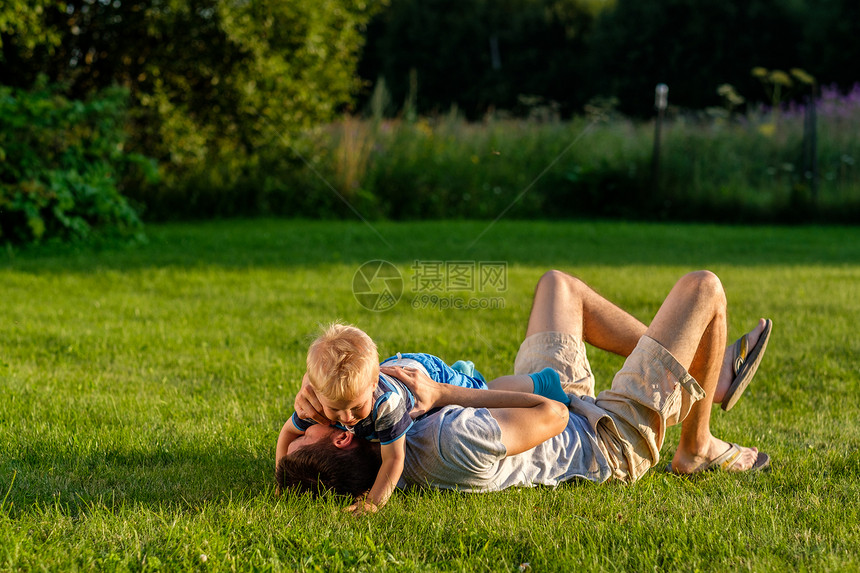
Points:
[752,165]
[711,167]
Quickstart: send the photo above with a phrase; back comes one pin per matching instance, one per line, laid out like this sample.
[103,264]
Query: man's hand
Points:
[307,405]
[426,391]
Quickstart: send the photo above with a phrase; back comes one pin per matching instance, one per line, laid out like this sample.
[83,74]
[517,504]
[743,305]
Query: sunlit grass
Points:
[143,389]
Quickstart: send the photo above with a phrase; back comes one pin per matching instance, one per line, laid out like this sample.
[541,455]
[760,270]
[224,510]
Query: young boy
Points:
[343,370]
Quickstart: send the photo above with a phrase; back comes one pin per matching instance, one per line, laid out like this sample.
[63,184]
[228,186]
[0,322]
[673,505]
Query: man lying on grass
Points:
[344,375]
[676,369]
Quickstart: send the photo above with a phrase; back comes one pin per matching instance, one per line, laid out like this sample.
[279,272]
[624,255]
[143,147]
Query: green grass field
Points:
[143,389]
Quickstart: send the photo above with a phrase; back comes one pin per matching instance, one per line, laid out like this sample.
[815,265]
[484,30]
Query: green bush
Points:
[210,82]
[61,162]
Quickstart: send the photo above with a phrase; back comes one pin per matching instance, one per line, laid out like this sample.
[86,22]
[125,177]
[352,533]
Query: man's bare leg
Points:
[563,303]
[691,324]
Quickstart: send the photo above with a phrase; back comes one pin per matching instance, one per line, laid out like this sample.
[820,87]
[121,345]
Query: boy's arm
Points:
[393,456]
[288,433]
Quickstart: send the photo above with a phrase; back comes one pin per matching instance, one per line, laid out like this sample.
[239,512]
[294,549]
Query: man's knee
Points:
[704,285]
[558,281]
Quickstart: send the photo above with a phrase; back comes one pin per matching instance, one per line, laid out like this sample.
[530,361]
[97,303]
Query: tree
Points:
[692,45]
[832,42]
[480,54]
[25,37]
[207,78]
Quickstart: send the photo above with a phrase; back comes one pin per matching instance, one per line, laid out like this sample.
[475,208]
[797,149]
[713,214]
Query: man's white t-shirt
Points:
[460,448]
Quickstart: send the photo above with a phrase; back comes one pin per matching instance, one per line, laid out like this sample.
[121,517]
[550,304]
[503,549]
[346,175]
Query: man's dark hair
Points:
[321,467]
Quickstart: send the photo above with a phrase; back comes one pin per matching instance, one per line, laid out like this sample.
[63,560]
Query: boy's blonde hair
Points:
[342,362]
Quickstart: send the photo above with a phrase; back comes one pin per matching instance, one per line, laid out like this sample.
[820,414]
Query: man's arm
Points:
[526,420]
[524,428]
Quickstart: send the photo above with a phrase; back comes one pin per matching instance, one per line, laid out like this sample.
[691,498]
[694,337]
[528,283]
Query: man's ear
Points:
[345,440]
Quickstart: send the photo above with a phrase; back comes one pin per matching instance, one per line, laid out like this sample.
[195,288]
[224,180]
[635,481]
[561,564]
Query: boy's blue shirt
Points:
[389,419]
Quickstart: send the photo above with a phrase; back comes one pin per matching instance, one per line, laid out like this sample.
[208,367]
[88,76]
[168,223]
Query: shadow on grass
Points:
[183,478]
[279,243]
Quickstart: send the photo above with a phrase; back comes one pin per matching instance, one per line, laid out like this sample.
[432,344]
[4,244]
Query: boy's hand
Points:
[425,390]
[361,506]
[307,405]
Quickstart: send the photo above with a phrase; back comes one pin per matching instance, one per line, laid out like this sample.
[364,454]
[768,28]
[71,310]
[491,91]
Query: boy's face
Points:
[348,412]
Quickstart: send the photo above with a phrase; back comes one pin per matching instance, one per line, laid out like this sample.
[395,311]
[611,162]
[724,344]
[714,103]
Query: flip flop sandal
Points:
[725,461]
[745,363]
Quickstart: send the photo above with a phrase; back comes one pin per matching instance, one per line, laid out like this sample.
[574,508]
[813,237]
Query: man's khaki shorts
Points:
[563,353]
[651,392]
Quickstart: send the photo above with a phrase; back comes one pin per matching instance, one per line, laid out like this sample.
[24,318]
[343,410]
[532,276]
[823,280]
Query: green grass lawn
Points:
[143,389]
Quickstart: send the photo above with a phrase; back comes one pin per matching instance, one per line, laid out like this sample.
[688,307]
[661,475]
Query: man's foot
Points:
[737,373]
[721,456]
